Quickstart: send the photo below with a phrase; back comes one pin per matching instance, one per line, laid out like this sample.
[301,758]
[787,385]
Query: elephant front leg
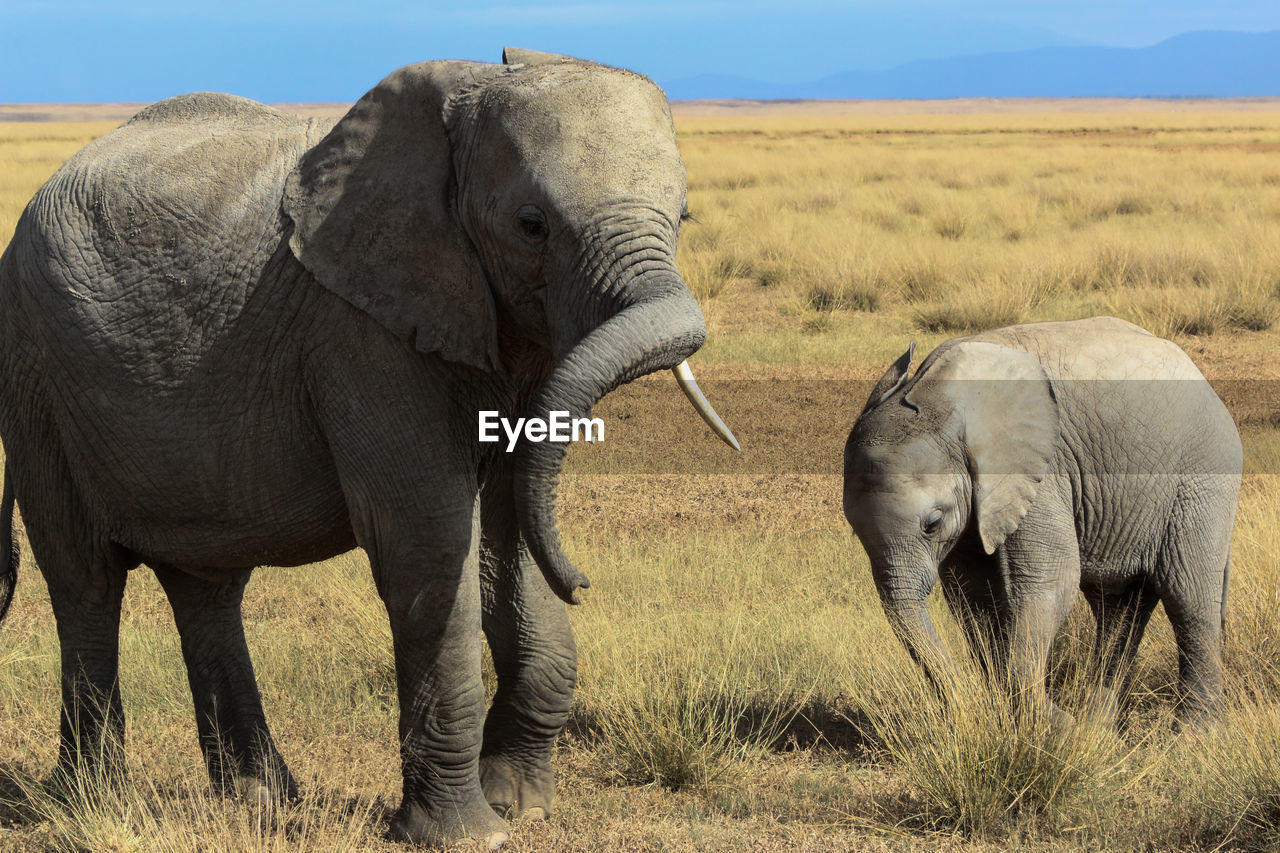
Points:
[970,588]
[1043,575]
[239,752]
[432,594]
[1121,618]
[1035,624]
[535,660]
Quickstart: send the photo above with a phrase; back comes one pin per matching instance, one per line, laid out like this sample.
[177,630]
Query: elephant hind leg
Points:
[85,573]
[1192,573]
[1121,618]
[238,748]
[1199,639]
[91,727]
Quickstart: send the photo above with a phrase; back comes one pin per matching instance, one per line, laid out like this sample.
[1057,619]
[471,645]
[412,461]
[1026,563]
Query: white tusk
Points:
[684,376]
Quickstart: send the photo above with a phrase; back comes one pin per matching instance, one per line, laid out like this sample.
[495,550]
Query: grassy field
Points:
[739,686]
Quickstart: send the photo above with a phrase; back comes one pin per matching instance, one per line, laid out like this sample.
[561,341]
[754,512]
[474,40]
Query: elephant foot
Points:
[516,789]
[1196,716]
[266,792]
[1060,719]
[268,786]
[416,824]
[1104,707]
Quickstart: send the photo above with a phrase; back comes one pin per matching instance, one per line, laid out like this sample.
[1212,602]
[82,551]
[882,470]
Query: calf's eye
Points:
[932,522]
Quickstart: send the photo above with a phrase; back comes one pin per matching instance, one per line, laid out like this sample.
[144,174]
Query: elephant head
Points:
[952,457]
[478,210]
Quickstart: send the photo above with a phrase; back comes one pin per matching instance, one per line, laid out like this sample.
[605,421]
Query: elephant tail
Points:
[1226,579]
[9,549]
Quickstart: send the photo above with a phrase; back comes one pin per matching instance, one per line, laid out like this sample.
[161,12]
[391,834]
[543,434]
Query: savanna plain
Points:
[739,686]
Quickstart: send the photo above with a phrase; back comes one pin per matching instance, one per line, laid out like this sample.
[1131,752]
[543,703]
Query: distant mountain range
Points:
[1198,64]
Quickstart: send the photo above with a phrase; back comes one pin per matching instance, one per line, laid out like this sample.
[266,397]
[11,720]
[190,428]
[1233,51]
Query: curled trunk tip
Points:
[649,335]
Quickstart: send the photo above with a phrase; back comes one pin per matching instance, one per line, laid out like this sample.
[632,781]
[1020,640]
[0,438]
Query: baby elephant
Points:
[1020,464]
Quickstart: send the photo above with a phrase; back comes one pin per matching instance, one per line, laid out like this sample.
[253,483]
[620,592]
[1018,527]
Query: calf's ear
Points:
[894,378]
[1008,416]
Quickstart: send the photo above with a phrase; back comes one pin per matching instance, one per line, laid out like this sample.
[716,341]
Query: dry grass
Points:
[962,222]
[739,686]
[981,770]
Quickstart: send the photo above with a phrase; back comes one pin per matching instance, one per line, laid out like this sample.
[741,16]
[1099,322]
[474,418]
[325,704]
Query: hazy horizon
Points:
[143,50]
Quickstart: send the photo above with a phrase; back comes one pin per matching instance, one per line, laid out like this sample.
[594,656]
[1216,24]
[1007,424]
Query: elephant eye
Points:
[532,223]
[932,522]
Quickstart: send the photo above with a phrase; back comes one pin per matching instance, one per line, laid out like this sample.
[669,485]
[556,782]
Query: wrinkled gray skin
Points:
[1022,464]
[232,337]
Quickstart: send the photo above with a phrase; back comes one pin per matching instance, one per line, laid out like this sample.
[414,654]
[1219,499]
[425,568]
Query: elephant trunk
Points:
[908,614]
[914,628]
[658,331]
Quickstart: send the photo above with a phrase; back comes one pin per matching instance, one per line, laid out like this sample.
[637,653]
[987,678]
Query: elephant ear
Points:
[894,378]
[374,217]
[1009,417]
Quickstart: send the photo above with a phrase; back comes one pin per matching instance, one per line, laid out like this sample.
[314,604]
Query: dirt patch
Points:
[659,466]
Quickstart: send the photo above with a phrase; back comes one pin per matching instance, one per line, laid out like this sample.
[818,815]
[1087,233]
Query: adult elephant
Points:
[233,337]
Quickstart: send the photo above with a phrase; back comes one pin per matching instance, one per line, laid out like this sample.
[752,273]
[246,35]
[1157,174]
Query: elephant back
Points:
[212,106]
[1141,427]
[148,243]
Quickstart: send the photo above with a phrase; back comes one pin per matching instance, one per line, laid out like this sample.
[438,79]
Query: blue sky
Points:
[324,50]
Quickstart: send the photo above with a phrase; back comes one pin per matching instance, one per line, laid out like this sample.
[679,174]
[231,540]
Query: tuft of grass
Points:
[982,769]
[1181,311]
[1231,777]
[685,729]
[708,274]
[824,299]
[133,813]
[856,292]
[819,323]
[977,305]
[950,225]
[1017,216]
[777,269]
[680,734]
[969,315]
[924,277]
[1129,265]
